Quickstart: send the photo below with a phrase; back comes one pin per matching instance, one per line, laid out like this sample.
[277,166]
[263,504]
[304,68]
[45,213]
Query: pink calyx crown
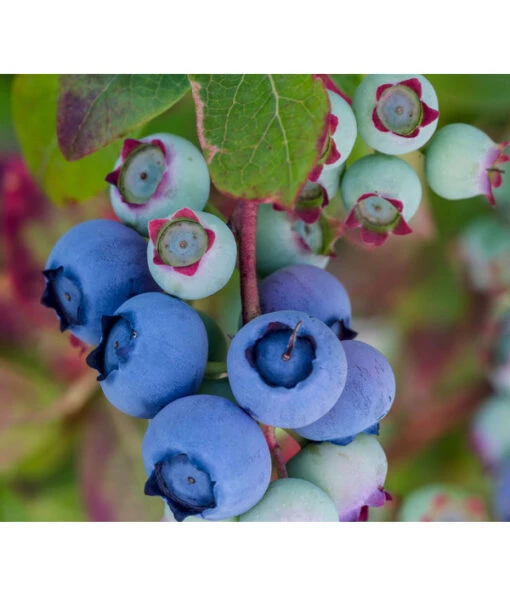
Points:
[373,236]
[429,114]
[157,225]
[492,176]
[130,144]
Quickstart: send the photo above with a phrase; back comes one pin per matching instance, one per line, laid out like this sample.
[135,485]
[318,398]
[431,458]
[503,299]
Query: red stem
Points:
[247,234]
[244,221]
[276,451]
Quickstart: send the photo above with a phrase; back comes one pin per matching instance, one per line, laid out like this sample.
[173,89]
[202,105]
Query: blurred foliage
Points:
[66,454]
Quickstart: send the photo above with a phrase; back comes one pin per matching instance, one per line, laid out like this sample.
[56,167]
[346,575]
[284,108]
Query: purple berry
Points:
[366,398]
[312,290]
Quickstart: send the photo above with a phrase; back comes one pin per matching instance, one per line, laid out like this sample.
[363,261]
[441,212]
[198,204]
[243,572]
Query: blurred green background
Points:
[67,455]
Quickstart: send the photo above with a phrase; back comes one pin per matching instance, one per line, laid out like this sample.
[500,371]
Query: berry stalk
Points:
[246,228]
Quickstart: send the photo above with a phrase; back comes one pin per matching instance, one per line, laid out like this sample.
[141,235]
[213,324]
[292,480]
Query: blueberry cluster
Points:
[122,287]
[380,192]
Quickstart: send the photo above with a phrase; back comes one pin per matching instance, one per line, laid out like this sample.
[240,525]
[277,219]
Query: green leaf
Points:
[35,115]
[95,110]
[261,134]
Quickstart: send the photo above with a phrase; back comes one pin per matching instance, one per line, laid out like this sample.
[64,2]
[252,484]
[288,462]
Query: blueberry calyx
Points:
[399,110]
[70,313]
[141,173]
[378,216]
[112,350]
[281,357]
[182,242]
[343,330]
[185,487]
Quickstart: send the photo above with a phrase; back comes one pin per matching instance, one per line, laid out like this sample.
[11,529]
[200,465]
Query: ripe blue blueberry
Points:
[191,254]
[381,195]
[286,367]
[205,457]
[312,290]
[396,113]
[94,268]
[443,504]
[283,239]
[155,176]
[366,398]
[462,162]
[490,435]
[353,476]
[292,500]
[153,350]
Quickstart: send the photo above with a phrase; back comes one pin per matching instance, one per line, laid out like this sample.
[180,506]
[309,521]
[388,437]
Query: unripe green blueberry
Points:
[353,476]
[283,240]
[292,500]
[191,254]
[462,162]
[396,113]
[155,176]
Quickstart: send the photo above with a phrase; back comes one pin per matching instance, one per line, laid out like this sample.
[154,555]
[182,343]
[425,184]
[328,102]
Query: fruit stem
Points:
[246,228]
[292,342]
[276,451]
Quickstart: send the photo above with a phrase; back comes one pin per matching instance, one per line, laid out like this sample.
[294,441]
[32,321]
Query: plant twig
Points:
[245,224]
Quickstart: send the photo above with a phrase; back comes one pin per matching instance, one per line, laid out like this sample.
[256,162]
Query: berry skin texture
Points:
[153,350]
[312,290]
[353,476]
[205,457]
[93,269]
[283,240]
[462,162]
[292,500]
[396,113]
[367,397]
[490,435]
[443,504]
[282,372]
[191,254]
[155,176]
[381,195]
